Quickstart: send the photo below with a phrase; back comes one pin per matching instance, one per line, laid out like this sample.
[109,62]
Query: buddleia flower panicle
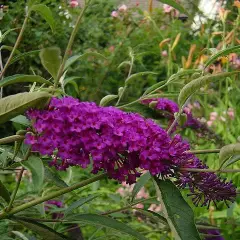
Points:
[122,144]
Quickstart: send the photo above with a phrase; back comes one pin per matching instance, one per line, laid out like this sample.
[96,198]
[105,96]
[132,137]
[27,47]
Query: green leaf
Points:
[9,48]
[107,222]
[154,87]
[4,192]
[175,5]
[45,13]
[140,183]
[20,235]
[71,80]
[79,203]
[228,151]
[22,55]
[51,60]
[21,120]
[137,75]
[20,78]
[232,160]
[52,176]
[76,58]
[178,213]
[42,230]
[2,37]
[182,73]
[35,165]
[104,101]
[212,59]
[14,105]
[194,86]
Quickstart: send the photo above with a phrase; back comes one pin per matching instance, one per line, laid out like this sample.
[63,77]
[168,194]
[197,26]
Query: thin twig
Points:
[204,151]
[70,43]
[18,182]
[210,170]
[16,44]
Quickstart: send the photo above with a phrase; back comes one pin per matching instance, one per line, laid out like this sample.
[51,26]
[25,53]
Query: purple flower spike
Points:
[77,133]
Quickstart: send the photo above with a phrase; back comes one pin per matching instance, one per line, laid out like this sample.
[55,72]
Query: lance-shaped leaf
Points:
[42,230]
[78,204]
[23,55]
[4,192]
[194,86]
[20,78]
[14,105]
[212,59]
[104,101]
[35,165]
[76,58]
[228,151]
[137,75]
[53,177]
[51,60]
[107,222]
[178,213]
[45,13]
[140,183]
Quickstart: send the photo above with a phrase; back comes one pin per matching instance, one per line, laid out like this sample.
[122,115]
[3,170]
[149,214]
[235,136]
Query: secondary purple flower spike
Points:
[169,106]
[79,133]
[212,232]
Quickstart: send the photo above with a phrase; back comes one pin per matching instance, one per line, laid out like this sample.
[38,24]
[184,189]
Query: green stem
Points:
[11,139]
[210,170]
[51,196]
[15,190]
[129,74]
[127,207]
[18,182]
[204,151]
[16,44]
[70,43]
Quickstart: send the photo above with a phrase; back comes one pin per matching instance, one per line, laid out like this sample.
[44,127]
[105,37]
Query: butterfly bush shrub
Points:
[119,136]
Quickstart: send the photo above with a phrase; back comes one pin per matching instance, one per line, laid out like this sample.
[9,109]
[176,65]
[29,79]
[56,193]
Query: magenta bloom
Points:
[119,143]
[58,204]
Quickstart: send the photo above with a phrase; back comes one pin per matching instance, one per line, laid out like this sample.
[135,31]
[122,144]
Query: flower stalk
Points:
[70,44]
[51,196]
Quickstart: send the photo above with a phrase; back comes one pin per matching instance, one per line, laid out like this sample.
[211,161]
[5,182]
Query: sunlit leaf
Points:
[51,60]
[228,151]
[17,104]
[104,101]
[212,59]
[20,78]
[195,85]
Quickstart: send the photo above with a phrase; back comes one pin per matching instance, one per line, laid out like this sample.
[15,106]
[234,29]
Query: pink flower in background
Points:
[114,14]
[213,116]
[111,48]
[139,205]
[155,208]
[164,53]
[74,3]
[123,8]
[209,123]
[230,113]
[167,8]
